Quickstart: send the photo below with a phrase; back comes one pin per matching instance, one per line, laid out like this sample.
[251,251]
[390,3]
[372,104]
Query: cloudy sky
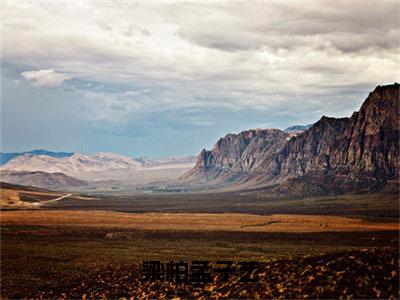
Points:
[165,78]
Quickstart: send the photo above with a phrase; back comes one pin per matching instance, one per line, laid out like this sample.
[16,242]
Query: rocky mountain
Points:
[100,166]
[7,156]
[236,156]
[78,165]
[334,155]
[45,180]
[297,128]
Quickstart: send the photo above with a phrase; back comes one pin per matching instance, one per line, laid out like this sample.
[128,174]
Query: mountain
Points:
[45,180]
[297,128]
[236,156]
[78,165]
[5,157]
[103,166]
[334,155]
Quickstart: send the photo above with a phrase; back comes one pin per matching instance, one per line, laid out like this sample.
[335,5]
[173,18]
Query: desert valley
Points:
[199,149]
[316,206]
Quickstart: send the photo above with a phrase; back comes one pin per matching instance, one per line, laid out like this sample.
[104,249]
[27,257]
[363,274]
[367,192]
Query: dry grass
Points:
[197,221]
[63,250]
[17,199]
[11,198]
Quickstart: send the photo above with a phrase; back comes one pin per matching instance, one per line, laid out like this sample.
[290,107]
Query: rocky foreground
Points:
[356,274]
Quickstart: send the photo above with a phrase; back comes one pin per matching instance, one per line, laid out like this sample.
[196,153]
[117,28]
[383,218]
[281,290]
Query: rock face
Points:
[236,156]
[333,155]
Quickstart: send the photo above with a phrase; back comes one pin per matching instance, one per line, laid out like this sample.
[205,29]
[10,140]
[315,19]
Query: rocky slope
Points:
[333,155]
[236,156]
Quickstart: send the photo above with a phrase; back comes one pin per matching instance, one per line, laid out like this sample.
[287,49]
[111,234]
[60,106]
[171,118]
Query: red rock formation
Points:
[339,154]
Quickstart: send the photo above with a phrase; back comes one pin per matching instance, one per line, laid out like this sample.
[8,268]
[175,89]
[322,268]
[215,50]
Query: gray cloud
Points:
[349,27]
[130,65]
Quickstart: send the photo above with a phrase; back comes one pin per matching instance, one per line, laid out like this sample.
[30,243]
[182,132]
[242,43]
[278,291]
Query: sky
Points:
[169,78]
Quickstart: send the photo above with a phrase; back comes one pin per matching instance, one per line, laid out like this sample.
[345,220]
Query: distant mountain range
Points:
[334,155]
[81,169]
[78,165]
[5,157]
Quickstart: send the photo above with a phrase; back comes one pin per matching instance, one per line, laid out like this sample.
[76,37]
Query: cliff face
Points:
[371,141]
[236,156]
[345,153]
[367,142]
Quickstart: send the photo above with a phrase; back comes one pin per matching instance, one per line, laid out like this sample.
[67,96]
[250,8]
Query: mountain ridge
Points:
[355,151]
[7,156]
[99,166]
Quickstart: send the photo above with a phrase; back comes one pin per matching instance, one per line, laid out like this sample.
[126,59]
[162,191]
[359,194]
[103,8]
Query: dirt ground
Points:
[30,199]
[90,246]
[196,221]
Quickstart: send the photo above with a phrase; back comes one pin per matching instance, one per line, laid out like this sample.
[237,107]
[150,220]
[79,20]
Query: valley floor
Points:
[195,221]
[89,247]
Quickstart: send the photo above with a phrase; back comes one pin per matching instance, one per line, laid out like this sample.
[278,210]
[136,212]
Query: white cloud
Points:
[263,55]
[45,78]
